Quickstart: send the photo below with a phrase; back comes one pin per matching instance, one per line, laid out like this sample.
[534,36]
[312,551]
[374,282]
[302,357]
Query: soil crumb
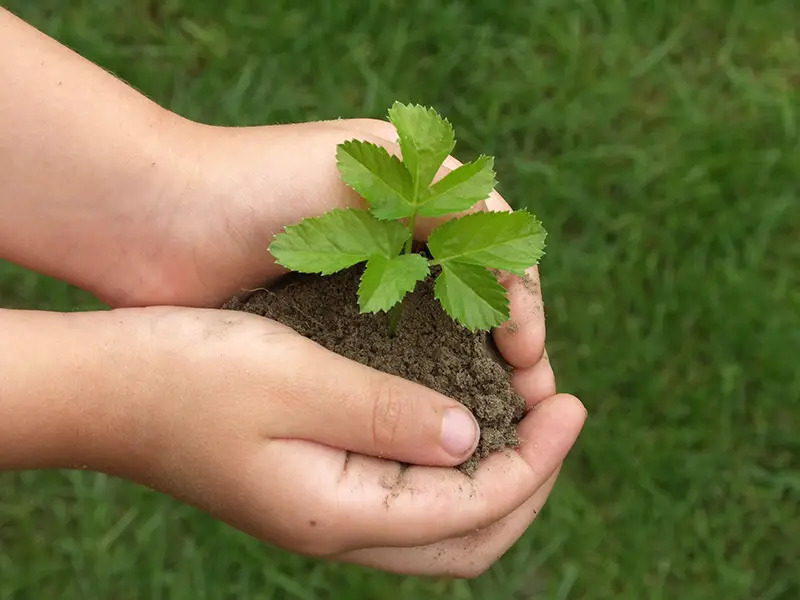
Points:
[428,348]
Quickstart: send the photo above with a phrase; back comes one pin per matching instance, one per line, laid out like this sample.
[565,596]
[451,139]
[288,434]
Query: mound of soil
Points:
[428,347]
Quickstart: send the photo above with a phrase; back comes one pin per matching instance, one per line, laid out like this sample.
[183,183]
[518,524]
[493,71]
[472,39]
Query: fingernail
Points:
[459,431]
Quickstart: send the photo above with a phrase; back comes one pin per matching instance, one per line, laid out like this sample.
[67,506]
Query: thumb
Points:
[350,406]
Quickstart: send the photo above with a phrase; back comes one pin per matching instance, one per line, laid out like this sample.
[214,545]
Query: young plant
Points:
[398,192]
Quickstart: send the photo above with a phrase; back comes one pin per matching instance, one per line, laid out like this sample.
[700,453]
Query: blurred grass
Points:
[659,143]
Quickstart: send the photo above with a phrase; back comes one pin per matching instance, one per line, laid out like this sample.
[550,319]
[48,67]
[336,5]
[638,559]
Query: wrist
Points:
[152,216]
[58,409]
[86,165]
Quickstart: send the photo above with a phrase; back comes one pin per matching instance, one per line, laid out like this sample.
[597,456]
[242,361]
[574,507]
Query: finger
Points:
[373,503]
[535,383]
[467,556]
[521,339]
[343,404]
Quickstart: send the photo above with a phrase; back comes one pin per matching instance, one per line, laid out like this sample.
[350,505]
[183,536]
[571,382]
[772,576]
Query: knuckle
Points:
[319,537]
[388,411]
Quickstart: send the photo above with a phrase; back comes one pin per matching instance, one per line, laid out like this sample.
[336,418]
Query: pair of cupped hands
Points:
[269,432]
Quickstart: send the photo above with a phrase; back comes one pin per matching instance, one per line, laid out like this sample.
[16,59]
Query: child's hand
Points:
[249,421]
[252,182]
[231,412]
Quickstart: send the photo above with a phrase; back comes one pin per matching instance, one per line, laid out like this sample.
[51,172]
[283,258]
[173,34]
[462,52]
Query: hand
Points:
[256,180]
[163,211]
[222,411]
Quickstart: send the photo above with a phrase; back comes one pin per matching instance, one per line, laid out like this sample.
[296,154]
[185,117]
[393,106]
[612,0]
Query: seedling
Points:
[398,192]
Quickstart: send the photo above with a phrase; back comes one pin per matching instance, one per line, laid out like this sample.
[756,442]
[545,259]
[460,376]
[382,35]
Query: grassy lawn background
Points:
[659,143]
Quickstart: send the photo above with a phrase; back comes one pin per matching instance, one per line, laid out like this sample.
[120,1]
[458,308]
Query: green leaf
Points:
[425,141]
[380,178]
[460,189]
[472,296]
[386,280]
[336,240]
[511,241]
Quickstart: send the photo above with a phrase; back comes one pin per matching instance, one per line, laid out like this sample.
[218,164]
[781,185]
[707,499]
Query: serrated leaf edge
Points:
[431,195]
[287,229]
[415,177]
[536,221]
[506,314]
[405,292]
[408,201]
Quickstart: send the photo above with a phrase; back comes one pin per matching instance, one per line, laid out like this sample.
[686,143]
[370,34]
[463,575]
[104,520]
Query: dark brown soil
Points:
[428,348]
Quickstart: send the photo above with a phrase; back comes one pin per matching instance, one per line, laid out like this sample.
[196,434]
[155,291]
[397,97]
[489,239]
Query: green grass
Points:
[659,142]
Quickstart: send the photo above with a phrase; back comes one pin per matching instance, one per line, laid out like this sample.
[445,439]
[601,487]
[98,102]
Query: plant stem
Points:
[410,241]
[397,310]
[394,318]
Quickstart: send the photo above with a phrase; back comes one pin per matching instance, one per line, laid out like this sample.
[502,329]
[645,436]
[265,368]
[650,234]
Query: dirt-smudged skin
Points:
[429,347]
